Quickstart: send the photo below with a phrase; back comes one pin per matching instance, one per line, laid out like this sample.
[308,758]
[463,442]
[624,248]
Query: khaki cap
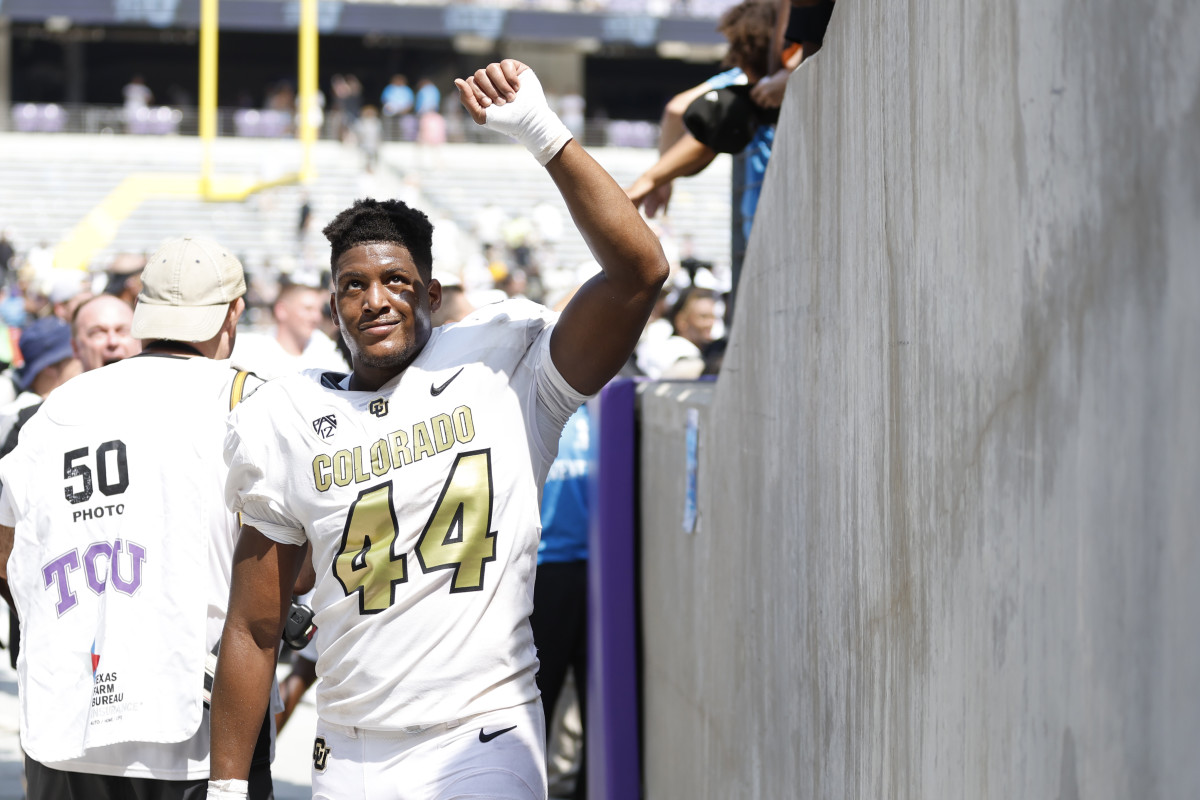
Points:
[187,287]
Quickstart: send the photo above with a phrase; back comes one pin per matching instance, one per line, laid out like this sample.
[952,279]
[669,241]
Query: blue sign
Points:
[692,466]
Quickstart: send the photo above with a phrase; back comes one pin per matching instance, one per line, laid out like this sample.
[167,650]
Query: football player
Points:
[416,480]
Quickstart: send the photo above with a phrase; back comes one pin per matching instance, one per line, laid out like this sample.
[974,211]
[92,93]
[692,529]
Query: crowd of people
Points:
[342,110]
[69,331]
[165,670]
[63,326]
[401,113]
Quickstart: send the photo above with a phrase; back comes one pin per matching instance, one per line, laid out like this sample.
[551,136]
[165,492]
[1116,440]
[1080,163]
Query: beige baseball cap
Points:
[187,287]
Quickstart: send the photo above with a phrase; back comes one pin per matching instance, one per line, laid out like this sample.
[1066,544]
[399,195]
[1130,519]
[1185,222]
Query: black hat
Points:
[725,119]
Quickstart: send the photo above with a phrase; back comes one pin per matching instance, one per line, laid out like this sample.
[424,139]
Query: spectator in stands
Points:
[352,101]
[305,217]
[138,98]
[518,235]
[689,263]
[13,317]
[456,121]
[431,128]
[681,355]
[748,26]
[49,363]
[281,97]
[125,277]
[515,284]
[497,265]
[297,341]
[369,131]
[397,99]
[7,254]
[347,101]
[431,135]
[32,293]
[658,328]
[101,332]
[279,116]
[428,97]
[67,292]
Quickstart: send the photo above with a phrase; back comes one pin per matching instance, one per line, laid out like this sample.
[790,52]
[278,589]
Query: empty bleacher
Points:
[51,182]
[48,183]
[462,179]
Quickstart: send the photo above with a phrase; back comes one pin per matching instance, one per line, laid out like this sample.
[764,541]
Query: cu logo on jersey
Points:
[325,426]
[378,407]
[320,754]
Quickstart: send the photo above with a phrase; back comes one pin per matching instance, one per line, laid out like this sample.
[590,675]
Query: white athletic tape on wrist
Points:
[529,120]
[229,789]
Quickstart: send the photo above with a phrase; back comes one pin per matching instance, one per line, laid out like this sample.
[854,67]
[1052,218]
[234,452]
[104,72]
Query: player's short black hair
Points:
[369,221]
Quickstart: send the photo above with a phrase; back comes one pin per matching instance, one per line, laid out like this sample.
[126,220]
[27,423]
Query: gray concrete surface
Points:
[950,476]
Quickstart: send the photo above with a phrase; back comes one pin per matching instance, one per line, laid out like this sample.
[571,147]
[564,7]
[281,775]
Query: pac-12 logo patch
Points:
[378,407]
[320,754]
[325,426]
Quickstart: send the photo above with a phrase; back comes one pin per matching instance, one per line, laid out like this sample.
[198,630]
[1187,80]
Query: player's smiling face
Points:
[382,306]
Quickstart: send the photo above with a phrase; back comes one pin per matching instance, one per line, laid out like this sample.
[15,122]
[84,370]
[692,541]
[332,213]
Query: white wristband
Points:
[529,120]
[230,789]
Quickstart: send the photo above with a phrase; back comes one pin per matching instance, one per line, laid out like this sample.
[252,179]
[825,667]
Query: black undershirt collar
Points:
[169,349]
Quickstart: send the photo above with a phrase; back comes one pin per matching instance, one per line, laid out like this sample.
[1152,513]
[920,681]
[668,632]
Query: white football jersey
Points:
[120,565]
[262,354]
[421,503]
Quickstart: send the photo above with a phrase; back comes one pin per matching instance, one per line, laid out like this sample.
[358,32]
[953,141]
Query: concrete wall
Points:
[949,540]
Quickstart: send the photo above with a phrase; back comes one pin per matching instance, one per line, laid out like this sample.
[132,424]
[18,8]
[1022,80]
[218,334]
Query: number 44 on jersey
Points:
[456,537]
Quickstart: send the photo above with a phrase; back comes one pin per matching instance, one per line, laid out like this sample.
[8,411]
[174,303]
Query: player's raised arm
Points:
[601,325]
[263,575]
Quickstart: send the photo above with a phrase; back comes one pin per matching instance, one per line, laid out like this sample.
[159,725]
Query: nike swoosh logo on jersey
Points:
[487,737]
[436,390]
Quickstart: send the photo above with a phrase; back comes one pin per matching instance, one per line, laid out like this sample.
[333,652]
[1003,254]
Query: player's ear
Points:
[333,311]
[435,294]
